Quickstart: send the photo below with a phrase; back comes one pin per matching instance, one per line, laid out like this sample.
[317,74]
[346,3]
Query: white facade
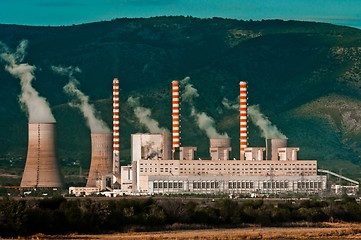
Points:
[285,173]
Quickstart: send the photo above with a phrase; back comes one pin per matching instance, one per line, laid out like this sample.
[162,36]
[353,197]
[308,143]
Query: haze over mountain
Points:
[304,76]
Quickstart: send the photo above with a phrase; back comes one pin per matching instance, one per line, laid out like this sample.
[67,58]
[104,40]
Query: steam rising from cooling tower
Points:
[260,120]
[205,122]
[80,100]
[143,114]
[36,107]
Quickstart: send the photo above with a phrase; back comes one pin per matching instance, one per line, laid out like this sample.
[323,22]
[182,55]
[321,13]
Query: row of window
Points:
[234,164]
[205,185]
[235,185]
[309,185]
[274,184]
[252,169]
[174,185]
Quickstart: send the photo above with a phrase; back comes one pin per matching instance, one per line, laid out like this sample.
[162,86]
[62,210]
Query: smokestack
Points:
[175,117]
[101,159]
[116,125]
[41,168]
[242,118]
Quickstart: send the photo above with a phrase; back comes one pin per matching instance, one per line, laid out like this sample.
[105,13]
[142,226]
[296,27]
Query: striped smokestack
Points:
[116,139]
[175,117]
[242,118]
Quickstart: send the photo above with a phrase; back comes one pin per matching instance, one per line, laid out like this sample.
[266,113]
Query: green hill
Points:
[305,76]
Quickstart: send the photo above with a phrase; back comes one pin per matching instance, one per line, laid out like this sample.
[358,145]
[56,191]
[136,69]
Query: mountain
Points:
[305,77]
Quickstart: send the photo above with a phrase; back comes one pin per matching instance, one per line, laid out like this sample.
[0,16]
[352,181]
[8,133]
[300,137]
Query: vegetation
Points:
[58,215]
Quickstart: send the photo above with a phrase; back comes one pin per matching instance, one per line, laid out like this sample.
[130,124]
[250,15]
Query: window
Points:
[155,185]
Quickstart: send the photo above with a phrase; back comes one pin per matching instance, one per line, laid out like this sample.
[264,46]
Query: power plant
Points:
[41,167]
[160,164]
[156,166]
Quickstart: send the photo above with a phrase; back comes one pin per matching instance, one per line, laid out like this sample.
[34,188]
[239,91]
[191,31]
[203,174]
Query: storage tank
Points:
[41,167]
[101,158]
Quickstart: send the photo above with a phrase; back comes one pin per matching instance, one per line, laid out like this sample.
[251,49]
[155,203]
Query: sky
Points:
[68,12]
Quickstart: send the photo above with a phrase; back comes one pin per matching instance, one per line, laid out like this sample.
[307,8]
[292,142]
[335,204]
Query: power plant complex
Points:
[160,164]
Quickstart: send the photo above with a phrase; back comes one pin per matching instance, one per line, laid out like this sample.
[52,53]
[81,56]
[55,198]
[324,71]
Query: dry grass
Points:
[330,231]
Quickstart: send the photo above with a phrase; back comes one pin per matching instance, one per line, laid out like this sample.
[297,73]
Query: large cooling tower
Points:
[41,168]
[101,162]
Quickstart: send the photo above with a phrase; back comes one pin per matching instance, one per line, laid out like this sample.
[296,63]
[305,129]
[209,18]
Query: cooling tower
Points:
[220,142]
[272,146]
[41,167]
[101,158]
[242,119]
[220,148]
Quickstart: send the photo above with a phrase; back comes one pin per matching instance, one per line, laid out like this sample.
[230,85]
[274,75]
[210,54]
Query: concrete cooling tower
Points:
[101,162]
[41,167]
[272,146]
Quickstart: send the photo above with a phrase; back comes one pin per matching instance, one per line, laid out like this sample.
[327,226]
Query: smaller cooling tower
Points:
[272,146]
[101,162]
[220,142]
[220,148]
[41,167]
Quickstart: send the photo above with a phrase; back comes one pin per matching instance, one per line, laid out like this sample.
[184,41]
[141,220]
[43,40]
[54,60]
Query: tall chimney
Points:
[242,118]
[41,167]
[116,125]
[101,158]
[175,117]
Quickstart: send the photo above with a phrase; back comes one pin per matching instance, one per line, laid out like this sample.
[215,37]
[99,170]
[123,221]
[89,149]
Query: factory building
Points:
[271,169]
[285,173]
[160,164]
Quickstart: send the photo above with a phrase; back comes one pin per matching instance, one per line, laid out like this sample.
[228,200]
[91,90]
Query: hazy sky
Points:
[67,12]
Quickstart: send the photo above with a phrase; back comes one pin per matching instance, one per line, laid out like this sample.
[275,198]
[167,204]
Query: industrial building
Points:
[154,168]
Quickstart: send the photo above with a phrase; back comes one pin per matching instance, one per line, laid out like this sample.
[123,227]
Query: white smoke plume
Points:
[260,120]
[205,122]
[229,105]
[80,100]
[35,106]
[143,114]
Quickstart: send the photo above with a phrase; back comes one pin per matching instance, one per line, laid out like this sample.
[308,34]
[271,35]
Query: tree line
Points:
[58,215]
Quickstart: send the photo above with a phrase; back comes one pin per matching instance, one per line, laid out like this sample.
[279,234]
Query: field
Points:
[323,231]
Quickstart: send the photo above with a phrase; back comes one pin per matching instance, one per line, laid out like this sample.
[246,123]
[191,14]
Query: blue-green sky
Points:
[68,12]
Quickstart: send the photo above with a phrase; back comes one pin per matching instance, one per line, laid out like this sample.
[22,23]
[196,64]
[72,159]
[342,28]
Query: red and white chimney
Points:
[242,118]
[175,117]
[116,139]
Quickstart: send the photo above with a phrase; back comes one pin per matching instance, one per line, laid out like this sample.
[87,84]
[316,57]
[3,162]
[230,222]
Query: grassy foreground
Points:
[323,231]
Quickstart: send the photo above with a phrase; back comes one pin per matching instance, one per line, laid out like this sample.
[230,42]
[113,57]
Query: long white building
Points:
[281,174]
